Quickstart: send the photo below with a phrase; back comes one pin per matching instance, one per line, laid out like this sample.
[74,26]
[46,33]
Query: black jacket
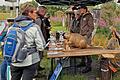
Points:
[40,21]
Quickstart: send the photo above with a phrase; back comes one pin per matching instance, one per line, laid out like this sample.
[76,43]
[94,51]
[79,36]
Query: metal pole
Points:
[11,12]
[17,8]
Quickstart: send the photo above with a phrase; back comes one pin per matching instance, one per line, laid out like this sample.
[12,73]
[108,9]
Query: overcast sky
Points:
[3,2]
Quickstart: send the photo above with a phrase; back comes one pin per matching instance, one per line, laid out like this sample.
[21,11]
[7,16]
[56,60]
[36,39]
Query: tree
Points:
[34,3]
[53,9]
[110,11]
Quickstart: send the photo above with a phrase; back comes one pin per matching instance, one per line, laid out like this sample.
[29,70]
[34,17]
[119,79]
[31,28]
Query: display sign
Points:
[56,72]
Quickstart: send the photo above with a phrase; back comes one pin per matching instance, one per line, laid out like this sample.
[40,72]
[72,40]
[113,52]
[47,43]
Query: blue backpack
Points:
[14,41]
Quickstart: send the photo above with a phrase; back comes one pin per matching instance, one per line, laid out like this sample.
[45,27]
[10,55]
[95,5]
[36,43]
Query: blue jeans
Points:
[3,70]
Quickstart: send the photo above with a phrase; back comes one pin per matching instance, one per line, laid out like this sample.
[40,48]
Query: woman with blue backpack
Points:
[22,45]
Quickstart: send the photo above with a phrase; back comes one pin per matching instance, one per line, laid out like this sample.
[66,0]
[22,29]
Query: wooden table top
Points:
[80,52]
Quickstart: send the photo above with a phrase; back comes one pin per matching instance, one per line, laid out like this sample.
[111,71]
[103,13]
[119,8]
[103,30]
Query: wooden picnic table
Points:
[80,52]
[58,52]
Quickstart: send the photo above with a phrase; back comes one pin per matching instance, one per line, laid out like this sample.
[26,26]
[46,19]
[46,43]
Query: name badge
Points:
[84,19]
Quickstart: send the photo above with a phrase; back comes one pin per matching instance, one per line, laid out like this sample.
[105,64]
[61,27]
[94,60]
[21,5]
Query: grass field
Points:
[4,16]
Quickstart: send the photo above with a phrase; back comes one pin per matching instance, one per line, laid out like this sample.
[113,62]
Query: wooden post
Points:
[105,72]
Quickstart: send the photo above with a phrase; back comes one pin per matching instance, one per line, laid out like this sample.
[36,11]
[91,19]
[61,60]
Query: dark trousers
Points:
[87,60]
[27,73]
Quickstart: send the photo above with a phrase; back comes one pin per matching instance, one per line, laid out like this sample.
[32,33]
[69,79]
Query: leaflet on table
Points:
[52,53]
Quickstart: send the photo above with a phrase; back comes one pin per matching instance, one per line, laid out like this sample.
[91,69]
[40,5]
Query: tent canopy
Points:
[71,2]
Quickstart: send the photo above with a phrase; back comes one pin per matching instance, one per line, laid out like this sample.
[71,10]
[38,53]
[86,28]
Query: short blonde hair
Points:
[26,8]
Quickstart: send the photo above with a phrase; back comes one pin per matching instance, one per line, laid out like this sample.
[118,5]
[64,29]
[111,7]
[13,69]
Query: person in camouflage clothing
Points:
[86,29]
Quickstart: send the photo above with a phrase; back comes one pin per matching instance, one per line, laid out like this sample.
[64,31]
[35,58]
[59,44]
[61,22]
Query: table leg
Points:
[52,65]
[51,71]
[75,67]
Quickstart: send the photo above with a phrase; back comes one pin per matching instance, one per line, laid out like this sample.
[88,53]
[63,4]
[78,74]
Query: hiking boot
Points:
[86,69]
[82,64]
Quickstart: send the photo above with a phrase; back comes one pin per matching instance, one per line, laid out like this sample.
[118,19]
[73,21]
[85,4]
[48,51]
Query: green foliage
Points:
[45,61]
[71,77]
[58,28]
[110,11]
[118,27]
[3,8]
[118,10]
[52,9]
[34,3]
[104,31]
[56,23]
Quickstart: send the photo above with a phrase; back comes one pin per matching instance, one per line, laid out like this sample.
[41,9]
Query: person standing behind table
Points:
[75,23]
[41,11]
[27,69]
[75,27]
[48,25]
[86,29]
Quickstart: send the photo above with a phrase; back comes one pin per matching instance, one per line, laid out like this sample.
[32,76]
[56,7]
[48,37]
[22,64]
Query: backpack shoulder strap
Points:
[27,27]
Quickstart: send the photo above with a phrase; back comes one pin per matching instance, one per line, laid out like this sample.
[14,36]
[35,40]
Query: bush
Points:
[56,23]
[104,31]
